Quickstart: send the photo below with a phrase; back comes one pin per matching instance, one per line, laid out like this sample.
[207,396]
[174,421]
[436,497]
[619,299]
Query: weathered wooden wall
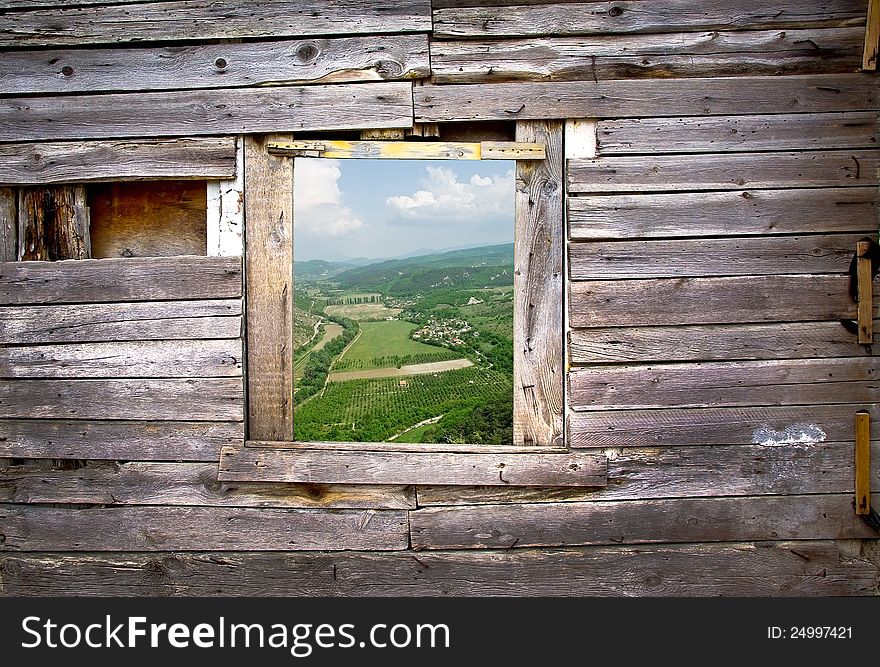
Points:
[709,243]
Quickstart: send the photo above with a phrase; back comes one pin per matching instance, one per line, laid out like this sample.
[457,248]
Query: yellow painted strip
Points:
[410,150]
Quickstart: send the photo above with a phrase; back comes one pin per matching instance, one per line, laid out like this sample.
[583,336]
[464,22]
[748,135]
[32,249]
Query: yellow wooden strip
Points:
[411,150]
[512,150]
[863,463]
[866,301]
[872,36]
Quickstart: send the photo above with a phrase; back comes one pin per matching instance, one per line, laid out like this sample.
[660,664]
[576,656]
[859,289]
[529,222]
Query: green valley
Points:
[417,349]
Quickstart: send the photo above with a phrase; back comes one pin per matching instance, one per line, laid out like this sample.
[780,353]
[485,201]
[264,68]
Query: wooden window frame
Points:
[538,455]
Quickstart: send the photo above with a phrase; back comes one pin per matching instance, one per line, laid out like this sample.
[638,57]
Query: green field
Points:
[374,410]
[386,344]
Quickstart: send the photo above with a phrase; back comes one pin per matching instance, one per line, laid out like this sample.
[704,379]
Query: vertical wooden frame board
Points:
[8,224]
[538,366]
[269,289]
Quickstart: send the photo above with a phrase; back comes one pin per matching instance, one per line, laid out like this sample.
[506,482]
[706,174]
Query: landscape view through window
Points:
[403,301]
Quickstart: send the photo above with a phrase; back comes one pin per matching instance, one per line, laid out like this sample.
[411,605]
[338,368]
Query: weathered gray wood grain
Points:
[738,133]
[220,399]
[764,568]
[737,213]
[638,522]
[8,225]
[369,58]
[689,472]
[656,97]
[603,57]
[152,359]
[124,440]
[672,301]
[88,161]
[269,266]
[112,280]
[725,383]
[627,16]
[787,340]
[200,112]
[539,237]
[37,528]
[210,19]
[99,322]
[712,257]
[260,464]
[724,171]
[717,426]
[187,484]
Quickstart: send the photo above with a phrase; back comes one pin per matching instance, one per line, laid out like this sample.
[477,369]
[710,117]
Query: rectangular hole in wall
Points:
[403,301]
[148,218]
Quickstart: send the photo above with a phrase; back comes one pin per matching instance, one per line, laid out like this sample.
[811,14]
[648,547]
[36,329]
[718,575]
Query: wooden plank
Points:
[145,399]
[739,213]
[255,464]
[195,20]
[53,223]
[152,359]
[862,464]
[722,569]
[379,149]
[712,257]
[8,224]
[181,484]
[201,112]
[738,133]
[99,322]
[227,65]
[731,300]
[149,219]
[125,279]
[689,472]
[89,161]
[36,528]
[720,383]
[719,342]
[515,150]
[724,171]
[269,265]
[767,426]
[538,288]
[865,278]
[656,97]
[637,522]
[225,214]
[124,440]
[872,36]
[412,447]
[627,16]
[580,138]
[605,57]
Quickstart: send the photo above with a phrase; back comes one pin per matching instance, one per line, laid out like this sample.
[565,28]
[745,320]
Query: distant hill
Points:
[320,268]
[482,266]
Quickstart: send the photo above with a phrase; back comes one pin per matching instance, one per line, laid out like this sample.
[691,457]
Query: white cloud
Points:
[319,208]
[444,197]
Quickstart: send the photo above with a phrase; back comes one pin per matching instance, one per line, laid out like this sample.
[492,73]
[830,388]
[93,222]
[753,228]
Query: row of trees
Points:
[318,365]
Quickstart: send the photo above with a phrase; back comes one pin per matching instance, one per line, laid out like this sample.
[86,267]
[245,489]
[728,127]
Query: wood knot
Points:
[220,63]
[388,69]
[307,52]
[615,11]
[67,70]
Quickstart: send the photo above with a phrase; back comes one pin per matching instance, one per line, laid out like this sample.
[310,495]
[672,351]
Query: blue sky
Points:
[386,208]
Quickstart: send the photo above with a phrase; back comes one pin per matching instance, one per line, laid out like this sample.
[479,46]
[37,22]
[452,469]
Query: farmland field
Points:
[422,351]
[384,344]
[375,410]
